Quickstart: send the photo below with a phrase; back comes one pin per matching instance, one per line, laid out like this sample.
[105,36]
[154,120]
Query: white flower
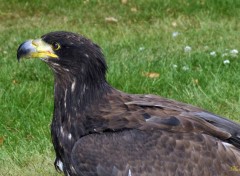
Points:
[187,49]
[175,34]
[213,53]
[141,48]
[226,61]
[175,66]
[185,68]
[234,51]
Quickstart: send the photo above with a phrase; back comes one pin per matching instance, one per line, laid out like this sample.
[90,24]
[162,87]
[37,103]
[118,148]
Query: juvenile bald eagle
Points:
[98,130]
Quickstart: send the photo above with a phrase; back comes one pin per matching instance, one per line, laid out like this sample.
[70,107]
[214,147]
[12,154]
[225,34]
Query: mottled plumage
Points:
[98,130]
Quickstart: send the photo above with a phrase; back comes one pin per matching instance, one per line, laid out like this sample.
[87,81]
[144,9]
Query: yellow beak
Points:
[35,49]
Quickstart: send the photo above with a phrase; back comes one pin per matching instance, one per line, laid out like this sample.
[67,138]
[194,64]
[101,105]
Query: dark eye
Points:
[56,46]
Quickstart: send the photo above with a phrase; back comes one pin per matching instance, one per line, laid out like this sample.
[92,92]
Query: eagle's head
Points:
[67,54]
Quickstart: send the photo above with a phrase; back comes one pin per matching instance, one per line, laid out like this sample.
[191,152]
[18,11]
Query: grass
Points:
[140,42]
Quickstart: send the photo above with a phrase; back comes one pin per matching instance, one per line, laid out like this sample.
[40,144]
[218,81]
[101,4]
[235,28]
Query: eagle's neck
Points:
[74,98]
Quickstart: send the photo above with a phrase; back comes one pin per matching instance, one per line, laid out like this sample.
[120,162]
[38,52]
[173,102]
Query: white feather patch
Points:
[69,136]
[60,165]
[61,130]
[129,172]
[73,85]
[227,145]
[65,99]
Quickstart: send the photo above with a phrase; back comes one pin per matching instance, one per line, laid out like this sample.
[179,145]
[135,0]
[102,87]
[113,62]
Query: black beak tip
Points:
[22,51]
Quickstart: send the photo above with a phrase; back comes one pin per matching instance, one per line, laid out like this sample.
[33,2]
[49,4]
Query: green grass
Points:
[26,88]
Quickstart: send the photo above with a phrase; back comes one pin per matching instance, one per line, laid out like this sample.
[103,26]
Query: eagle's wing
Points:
[162,110]
[151,135]
[154,112]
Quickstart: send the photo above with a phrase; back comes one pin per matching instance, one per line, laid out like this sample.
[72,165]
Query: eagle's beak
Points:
[35,49]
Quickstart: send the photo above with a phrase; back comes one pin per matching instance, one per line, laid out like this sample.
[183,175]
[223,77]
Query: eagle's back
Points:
[158,152]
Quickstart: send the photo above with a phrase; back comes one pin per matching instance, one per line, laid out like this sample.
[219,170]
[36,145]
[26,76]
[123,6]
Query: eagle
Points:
[99,130]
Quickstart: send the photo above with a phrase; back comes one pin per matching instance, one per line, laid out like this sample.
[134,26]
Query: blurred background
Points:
[180,49]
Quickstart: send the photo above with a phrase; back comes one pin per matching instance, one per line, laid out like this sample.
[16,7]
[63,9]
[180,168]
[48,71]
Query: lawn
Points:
[180,49]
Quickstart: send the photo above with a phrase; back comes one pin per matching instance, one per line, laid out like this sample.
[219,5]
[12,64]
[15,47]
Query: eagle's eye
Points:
[56,46]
